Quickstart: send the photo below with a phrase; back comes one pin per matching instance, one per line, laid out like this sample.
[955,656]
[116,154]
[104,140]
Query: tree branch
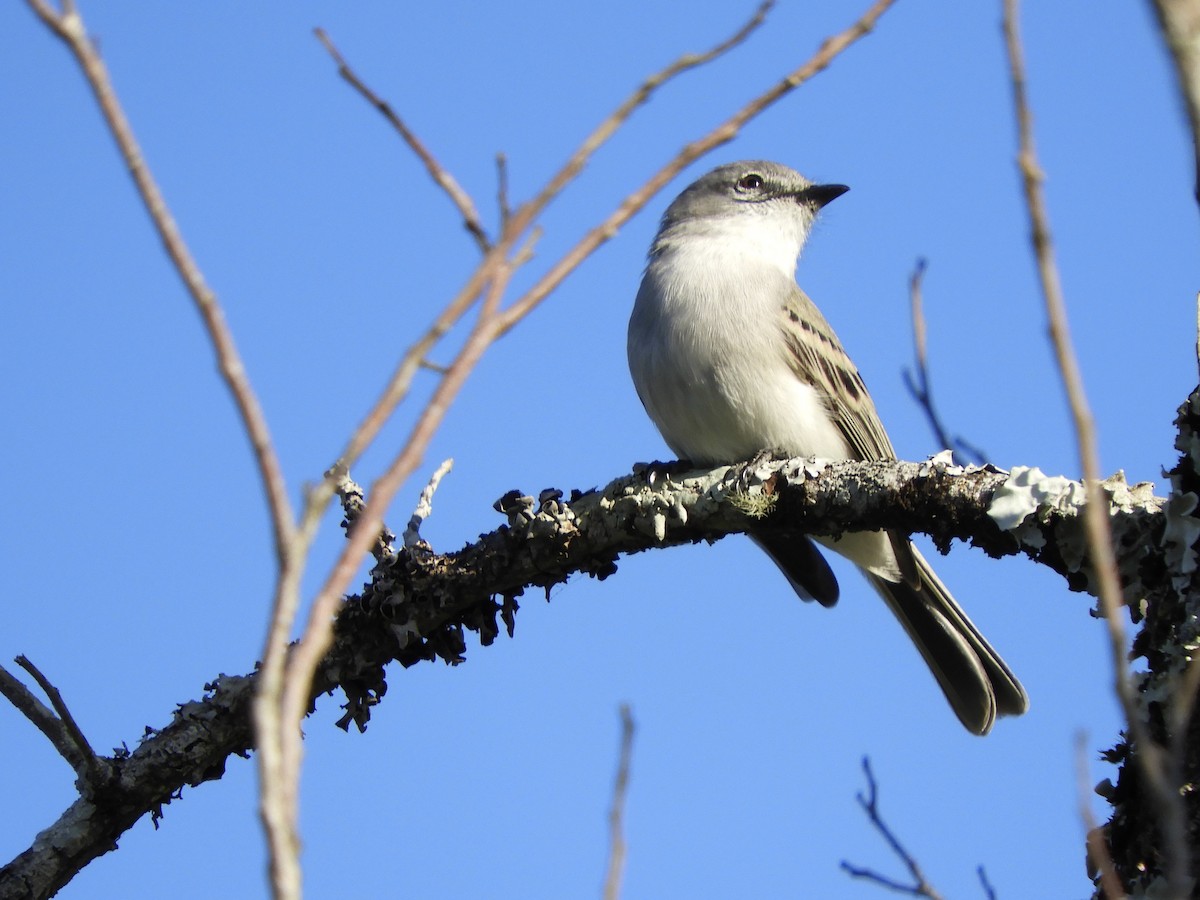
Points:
[67,737]
[920,887]
[829,50]
[189,751]
[1161,771]
[460,198]
[1179,21]
[516,224]
[419,605]
[69,27]
[1085,428]
[616,814]
[60,729]
[920,384]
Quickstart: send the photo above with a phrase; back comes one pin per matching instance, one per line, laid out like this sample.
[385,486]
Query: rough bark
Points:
[1138,840]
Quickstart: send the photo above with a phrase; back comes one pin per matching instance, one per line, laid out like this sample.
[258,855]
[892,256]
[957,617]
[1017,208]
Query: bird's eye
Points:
[751,182]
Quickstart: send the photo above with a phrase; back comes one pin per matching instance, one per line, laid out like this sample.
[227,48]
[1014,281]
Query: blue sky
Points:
[135,545]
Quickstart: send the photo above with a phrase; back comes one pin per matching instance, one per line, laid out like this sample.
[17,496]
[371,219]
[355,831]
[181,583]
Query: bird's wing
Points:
[817,358]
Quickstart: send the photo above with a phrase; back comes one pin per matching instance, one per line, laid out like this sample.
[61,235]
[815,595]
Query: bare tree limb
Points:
[920,386]
[830,49]
[1163,785]
[291,541]
[1179,21]
[516,225]
[69,27]
[412,534]
[354,499]
[68,739]
[920,886]
[419,606]
[616,814]
[460,198]
[49,724]
[988,891]
[502,190]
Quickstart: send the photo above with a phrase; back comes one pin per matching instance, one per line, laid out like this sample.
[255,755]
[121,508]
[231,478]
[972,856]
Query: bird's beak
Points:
[820,194]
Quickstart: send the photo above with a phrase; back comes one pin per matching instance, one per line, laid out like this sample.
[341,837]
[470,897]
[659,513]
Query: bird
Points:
[731,359]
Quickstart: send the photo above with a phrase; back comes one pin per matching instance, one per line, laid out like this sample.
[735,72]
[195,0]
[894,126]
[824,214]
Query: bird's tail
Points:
[971,674]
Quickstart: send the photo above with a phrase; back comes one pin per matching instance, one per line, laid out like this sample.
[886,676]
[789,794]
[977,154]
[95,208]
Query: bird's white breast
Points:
[709,359]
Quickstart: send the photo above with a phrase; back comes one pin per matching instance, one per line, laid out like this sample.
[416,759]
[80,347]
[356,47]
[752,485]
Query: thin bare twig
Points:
[44,719]
[58,725]
[616,813]
[412,534]
[919,385]
[1151,759]
[290,701]
[69,27]
[1179,22]
[460,198]
[318,631]
[517,224]
[353,501]
[919,887]
[502,190]
[279,707]
[276,713]
[606,129]
[830,48]
[291,541]
[918,313]
[417,355]
[988,890]
[278,790]
[82,756]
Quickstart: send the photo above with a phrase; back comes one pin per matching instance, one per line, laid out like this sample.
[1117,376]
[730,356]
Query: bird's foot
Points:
[750,467]
[658,471]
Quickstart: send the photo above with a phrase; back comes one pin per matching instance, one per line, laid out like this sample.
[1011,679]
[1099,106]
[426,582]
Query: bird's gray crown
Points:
[742,186]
